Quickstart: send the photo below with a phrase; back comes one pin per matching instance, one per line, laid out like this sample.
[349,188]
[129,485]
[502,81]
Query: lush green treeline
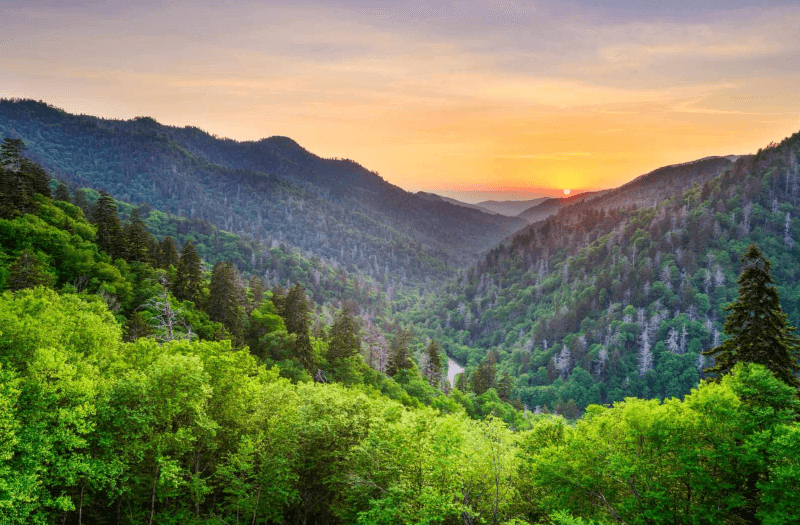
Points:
[96,430]
[594,305]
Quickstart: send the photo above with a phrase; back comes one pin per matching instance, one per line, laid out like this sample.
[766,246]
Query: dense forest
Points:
[270,190]
[156,368]
[599,303]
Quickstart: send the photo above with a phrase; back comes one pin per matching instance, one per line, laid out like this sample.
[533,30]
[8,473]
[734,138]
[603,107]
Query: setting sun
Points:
[566,192]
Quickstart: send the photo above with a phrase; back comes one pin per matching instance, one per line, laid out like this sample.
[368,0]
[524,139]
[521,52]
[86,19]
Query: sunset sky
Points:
[452,97]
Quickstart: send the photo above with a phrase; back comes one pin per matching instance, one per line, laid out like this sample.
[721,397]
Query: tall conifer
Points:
[109,230]
[189,277]
[758,329]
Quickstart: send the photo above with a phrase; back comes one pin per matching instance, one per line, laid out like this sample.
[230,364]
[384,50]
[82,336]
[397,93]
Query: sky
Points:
[470,99]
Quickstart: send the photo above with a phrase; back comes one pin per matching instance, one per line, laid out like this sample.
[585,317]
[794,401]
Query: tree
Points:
[257,289]
[345,335]
[20,180]
[294,309]
[28,272]
[433,364]
[109,230]
[136,326]
[167,253]
[11,154]
[758,329]
[400,353]
[223,303]
[62,193]
[137,239]
[189,277]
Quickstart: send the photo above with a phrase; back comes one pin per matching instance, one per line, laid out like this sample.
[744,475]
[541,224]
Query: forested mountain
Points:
[547,207]
[139,384]
[599,302]
[511,208]
[439,198]
[271,189]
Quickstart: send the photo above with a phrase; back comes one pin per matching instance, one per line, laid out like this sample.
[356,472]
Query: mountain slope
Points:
[511,208]
[439,198]
[270,190]
[595,304]
[551,206]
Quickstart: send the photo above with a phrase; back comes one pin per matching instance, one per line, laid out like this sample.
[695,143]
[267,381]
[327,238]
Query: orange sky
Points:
[448,97]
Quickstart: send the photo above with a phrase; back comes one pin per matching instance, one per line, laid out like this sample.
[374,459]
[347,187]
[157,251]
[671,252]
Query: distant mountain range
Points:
[615,293]
[511,208]
[270,190]
[441,198]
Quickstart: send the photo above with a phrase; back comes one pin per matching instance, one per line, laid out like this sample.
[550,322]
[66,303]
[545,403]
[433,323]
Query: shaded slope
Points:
[271,190]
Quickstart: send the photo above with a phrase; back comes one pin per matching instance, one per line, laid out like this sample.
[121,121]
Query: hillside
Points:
[440,198]
[511,208]
[271,189]
[597,302]
[551,206]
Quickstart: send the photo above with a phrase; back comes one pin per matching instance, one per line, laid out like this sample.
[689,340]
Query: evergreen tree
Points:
[223,303]
[400,353]
[257,290]
[483,377]
[61,193]
[28,272]
[136,326]
[294,309]
[345,335]
[109,230]
[20,180]
[37,178]
[433,364]
[11,154]
[80,200]
[189,277]
[136,238]
[167,253]
[757,327]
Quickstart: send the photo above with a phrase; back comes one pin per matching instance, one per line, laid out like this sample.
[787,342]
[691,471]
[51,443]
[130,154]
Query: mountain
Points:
[439,198]
[510,208]
[269,190]
[645,190]
[550,206]
[617,295]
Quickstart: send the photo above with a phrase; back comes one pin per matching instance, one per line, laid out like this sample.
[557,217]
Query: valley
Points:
[194,327]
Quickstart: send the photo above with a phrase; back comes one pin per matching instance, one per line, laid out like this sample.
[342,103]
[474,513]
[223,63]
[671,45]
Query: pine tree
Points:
[167,253]
[11,154]
[400,353]
[37,178]
[136,327]
[136,239]
[20,180]
[294,309]
[433,364]
[28,272]
[189,277]
[257,289]
[61,193]
[345,335]
[80,200]
[757,327]
[223,301]
[109,230]
[504,387]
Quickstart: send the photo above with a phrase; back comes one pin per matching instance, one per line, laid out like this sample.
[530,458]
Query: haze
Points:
[473,99]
